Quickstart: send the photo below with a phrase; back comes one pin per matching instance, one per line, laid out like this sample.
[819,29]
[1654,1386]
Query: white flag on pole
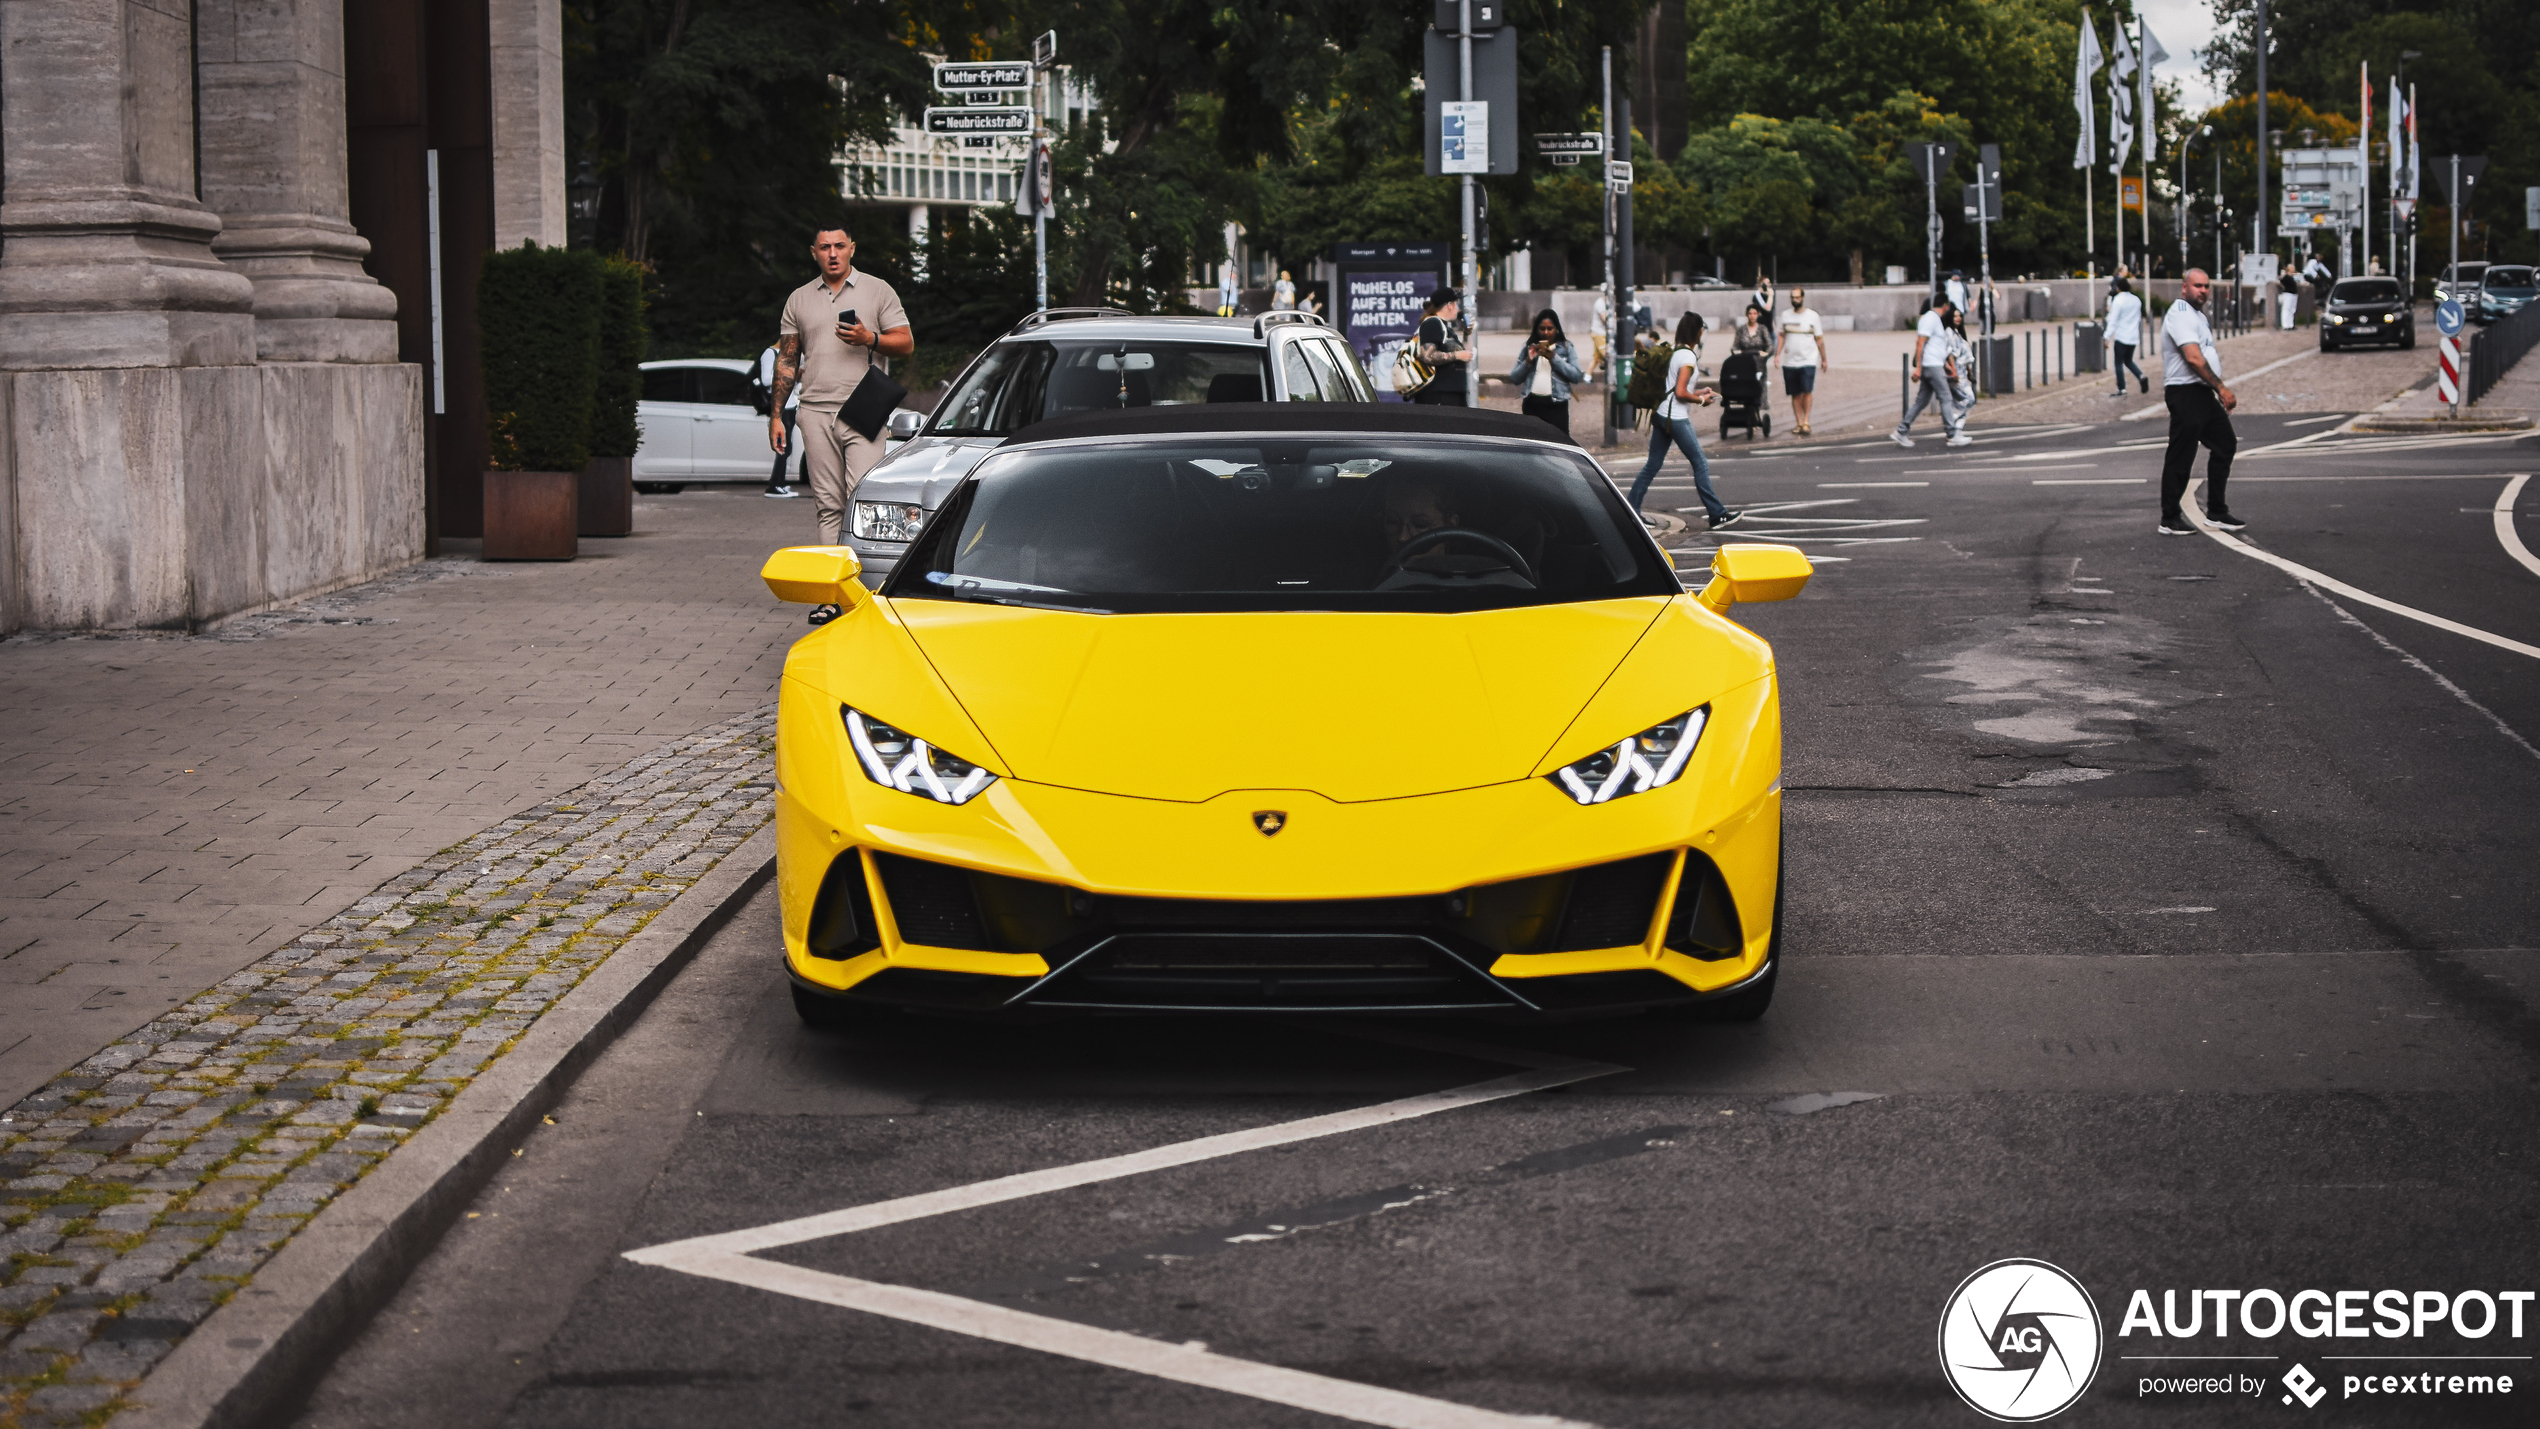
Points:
[2086,62]
[2152,54]
[2121,105]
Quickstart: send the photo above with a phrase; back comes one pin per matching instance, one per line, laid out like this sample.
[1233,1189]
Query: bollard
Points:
[1904,384]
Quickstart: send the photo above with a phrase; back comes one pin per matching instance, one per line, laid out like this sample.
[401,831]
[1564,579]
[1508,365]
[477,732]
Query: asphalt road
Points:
[2176,917]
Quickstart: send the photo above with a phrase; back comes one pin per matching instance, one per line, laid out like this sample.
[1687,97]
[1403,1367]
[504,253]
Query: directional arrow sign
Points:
[1010,119]
[983,76]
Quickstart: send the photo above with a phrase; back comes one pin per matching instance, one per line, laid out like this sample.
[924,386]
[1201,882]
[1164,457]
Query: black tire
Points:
[833,1014]
[2408,341]
[1724,426]
[1768,424]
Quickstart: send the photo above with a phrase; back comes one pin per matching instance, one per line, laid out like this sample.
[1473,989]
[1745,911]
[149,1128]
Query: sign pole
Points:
[1037,173]
[1464,196]
[1613,338]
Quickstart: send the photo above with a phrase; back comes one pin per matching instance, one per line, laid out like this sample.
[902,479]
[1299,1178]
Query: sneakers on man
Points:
[2175,528]
[2225,520]
[823,614]
[1900,439]
[1730,519]
[779,493]
[1961,440]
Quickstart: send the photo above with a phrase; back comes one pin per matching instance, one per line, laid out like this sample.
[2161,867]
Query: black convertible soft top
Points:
[1392,418]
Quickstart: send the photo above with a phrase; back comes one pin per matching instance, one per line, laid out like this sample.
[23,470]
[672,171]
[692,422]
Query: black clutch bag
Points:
[868,409]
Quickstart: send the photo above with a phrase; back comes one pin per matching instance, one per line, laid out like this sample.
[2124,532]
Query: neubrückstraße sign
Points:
[979,120]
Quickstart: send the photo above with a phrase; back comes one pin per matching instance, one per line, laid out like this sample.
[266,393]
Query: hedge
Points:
[614,431]
[539,322]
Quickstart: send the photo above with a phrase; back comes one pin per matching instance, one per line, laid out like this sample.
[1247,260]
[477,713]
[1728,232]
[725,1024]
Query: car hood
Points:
[924,470]
[1353,706]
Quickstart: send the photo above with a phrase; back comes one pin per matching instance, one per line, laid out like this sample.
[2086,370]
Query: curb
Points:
[2441,426]
[246,1364]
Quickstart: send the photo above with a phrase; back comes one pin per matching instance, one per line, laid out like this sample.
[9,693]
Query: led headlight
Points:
[2331,319]
[1647,760]
[911,765]
[887,520]
[2390,317]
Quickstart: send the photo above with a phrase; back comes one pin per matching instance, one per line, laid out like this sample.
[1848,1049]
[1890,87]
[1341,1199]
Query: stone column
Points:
[108,259]
[272,77]
[528,74]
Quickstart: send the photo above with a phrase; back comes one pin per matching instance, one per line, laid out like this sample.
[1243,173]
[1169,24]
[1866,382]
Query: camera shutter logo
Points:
[2019,1341]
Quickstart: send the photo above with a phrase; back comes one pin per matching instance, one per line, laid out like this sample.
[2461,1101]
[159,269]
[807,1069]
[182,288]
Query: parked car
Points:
[2367,310]
[2503,290]
[1069,360]
[2461,281]
[702,425]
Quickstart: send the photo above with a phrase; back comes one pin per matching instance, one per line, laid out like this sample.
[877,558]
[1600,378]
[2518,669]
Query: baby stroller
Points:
[1742,396]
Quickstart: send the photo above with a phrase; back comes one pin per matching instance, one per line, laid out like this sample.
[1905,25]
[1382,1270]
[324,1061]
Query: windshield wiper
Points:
[997,592]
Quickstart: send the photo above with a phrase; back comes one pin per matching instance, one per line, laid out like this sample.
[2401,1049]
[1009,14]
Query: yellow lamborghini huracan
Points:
[1282,709]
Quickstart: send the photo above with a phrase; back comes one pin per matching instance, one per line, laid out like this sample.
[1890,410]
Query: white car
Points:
[702,425]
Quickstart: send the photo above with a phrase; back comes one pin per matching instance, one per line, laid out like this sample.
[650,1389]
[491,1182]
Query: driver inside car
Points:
[1413,509]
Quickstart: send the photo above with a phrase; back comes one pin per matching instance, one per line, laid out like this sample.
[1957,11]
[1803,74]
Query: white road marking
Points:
[2305,573]
[1192,1363]
[2455,691]
[2091,481]
[727,1257]
[2331,417]
[1849,485]
[2505,531]
[2228,379]
[2384,476]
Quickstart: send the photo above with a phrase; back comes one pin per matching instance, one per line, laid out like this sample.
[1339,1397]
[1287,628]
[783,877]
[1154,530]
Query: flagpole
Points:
[2143,123]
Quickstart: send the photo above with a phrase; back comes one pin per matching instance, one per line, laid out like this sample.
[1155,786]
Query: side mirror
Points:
[1754,573]
[815,575]
[906,424]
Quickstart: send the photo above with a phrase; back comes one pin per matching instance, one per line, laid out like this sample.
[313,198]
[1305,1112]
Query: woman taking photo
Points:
[1545,370]
[1673,422]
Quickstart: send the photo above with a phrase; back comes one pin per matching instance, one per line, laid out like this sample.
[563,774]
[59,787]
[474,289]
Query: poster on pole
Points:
[1377,290]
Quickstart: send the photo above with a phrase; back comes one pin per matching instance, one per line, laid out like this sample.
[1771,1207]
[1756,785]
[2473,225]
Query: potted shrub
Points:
[539,331]
[607,496]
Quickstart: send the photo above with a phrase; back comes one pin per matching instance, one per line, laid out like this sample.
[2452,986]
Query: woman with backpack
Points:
[1672,422]
[1443,351]
[1545,370]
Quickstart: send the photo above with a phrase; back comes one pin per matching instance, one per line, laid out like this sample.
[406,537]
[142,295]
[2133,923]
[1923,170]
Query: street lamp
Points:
[582,204]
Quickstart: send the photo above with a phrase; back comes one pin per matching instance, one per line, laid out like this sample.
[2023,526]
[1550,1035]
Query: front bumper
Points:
[1659,930]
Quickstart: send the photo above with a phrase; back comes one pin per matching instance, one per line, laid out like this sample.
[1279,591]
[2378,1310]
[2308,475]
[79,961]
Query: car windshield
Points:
[2515,282]
[2365,290]
[1019,383]
[1310,523]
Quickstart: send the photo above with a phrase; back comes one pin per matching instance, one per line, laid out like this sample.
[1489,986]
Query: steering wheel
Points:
[1516,562]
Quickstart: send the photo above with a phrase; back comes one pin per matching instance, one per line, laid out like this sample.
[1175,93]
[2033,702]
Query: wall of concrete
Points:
[166,498]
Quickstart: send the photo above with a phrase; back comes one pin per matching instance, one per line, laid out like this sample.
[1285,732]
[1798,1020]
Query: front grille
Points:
[842,923]
[932,903]
[1605,905]
[1611,903]
[1703,924]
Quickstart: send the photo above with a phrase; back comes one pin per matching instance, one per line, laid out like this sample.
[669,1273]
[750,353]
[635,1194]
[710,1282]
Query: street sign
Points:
[1010,119]
[1464,137]
[1494,83]
[1015,75]
[2531,208]
[2440,171]
[2130,194]
[1982,202]
[981,141]
[1045,50]
[1574,146]
[2448,316]
[1449,16]
[1618,176]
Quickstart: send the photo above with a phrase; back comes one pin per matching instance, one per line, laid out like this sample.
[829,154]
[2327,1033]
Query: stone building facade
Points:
[236,289]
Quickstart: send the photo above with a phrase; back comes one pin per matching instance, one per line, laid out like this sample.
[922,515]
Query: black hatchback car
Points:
[2364,310]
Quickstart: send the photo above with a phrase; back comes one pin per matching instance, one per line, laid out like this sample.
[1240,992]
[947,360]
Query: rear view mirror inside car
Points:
[1125,361]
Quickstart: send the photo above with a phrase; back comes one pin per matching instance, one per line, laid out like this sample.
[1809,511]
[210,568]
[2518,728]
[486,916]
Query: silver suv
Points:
[1068,360]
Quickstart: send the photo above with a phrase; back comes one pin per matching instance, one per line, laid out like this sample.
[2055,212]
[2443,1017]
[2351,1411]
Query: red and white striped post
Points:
[2447,373]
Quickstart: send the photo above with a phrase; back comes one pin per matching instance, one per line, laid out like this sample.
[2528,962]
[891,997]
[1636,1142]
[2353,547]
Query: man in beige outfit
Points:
[827,354]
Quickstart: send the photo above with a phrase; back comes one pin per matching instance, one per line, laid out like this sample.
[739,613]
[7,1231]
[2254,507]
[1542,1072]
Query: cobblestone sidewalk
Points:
[142,1188]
